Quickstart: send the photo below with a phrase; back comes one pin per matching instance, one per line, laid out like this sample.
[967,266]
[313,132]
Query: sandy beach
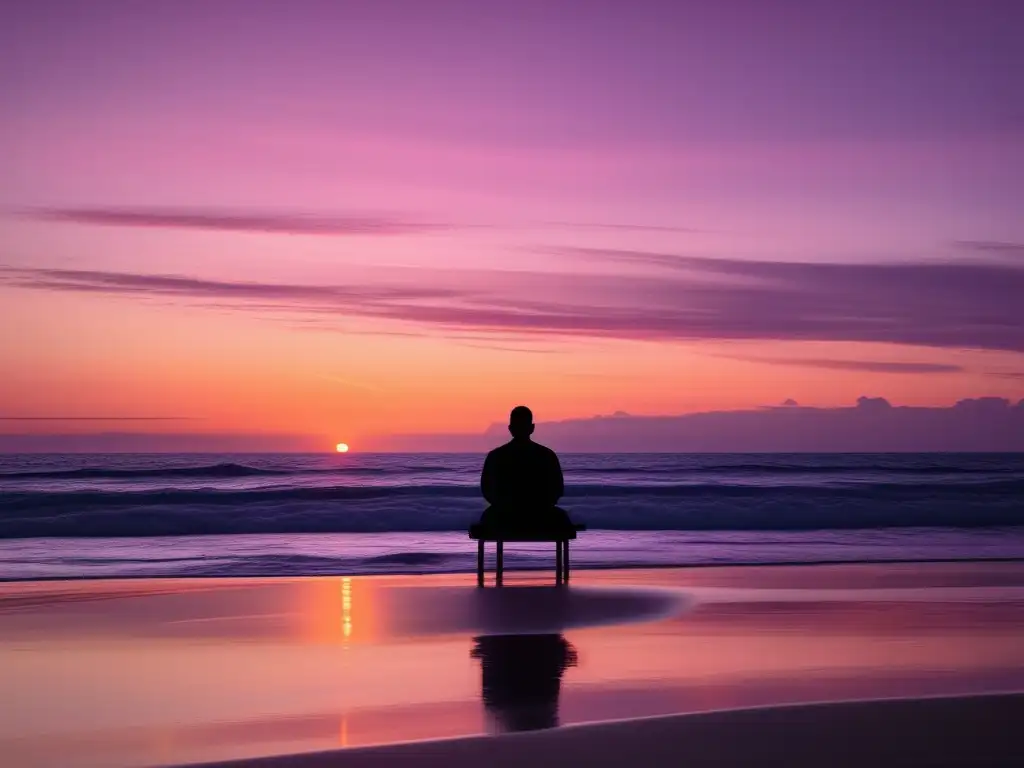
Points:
[722,665]
[955,731]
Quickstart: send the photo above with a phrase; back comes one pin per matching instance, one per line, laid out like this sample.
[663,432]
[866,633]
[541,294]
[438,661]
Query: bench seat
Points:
[560,535]
[494,533]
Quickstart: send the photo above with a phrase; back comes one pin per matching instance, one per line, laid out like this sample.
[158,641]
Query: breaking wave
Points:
[412,508]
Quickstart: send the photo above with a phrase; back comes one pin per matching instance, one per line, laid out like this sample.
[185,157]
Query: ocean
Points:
[126,515]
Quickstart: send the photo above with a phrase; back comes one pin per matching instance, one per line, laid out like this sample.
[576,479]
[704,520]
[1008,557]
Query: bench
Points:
[561,537]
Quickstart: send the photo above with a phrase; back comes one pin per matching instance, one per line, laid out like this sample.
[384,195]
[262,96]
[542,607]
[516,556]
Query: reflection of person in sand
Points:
[522,480]
[522,677]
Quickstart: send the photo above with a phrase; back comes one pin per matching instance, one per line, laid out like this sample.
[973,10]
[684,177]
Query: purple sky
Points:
[312,217]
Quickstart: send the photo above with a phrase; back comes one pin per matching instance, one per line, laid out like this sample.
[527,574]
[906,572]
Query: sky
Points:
[308,222]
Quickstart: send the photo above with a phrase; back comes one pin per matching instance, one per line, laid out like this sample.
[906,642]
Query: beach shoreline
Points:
[534,569]
[200,670]
[950,731]
[348,554]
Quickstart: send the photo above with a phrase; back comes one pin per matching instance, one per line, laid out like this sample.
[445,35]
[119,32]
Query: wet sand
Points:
[953,732]
[182,671]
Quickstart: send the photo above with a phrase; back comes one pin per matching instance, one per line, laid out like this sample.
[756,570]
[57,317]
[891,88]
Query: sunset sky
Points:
[334,220]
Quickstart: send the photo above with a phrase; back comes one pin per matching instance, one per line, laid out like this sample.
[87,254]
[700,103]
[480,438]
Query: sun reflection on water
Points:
[346,607]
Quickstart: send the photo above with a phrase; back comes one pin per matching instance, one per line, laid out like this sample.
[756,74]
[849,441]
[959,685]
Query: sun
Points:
[341,447]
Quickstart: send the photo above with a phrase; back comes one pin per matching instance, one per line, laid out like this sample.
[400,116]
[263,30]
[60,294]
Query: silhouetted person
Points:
[522,480]
[522,678]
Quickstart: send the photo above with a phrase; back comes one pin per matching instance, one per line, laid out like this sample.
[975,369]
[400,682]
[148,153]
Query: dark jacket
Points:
[522,473]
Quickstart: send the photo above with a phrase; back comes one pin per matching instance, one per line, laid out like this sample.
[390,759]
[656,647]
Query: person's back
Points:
[522,474]
[522,480]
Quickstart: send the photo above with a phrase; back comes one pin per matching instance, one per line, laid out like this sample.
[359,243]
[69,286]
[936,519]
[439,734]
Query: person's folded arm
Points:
[556,483]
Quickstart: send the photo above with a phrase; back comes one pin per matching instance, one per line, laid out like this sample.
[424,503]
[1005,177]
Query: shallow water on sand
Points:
[141,672]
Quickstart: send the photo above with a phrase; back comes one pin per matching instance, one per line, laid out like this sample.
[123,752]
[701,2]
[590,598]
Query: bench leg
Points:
[558,562]
[480,563]
[565,562]
[501,563]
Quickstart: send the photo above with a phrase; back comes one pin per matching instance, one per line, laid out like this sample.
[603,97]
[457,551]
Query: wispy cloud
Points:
[626,227]
[95,281]
[299,223]
[873,366]
[524,350]
[938,304]
[619,256]
[237,221]
[1015,375]
[997,247]
[100,418]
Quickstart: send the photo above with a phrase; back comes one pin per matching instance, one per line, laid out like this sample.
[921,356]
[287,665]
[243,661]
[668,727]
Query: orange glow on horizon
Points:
[233,375]
[341,448]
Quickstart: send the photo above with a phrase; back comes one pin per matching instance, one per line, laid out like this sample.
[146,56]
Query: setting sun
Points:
[341,448]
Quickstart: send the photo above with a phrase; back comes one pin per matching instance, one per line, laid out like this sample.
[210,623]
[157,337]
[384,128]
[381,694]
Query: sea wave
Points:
[219,471]
[232,470]
[453,508]
[796,469]
[447,552]
[14,501]
[99,473]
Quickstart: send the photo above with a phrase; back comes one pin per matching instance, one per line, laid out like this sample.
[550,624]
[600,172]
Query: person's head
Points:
[520,422]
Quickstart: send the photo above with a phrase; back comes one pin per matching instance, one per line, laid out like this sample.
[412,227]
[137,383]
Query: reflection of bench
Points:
[561,536]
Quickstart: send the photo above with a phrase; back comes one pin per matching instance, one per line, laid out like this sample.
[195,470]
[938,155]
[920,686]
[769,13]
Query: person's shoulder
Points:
[543,449]
[501,450]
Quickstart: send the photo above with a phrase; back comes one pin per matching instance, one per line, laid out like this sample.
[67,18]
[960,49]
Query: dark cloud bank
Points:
[873,425]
